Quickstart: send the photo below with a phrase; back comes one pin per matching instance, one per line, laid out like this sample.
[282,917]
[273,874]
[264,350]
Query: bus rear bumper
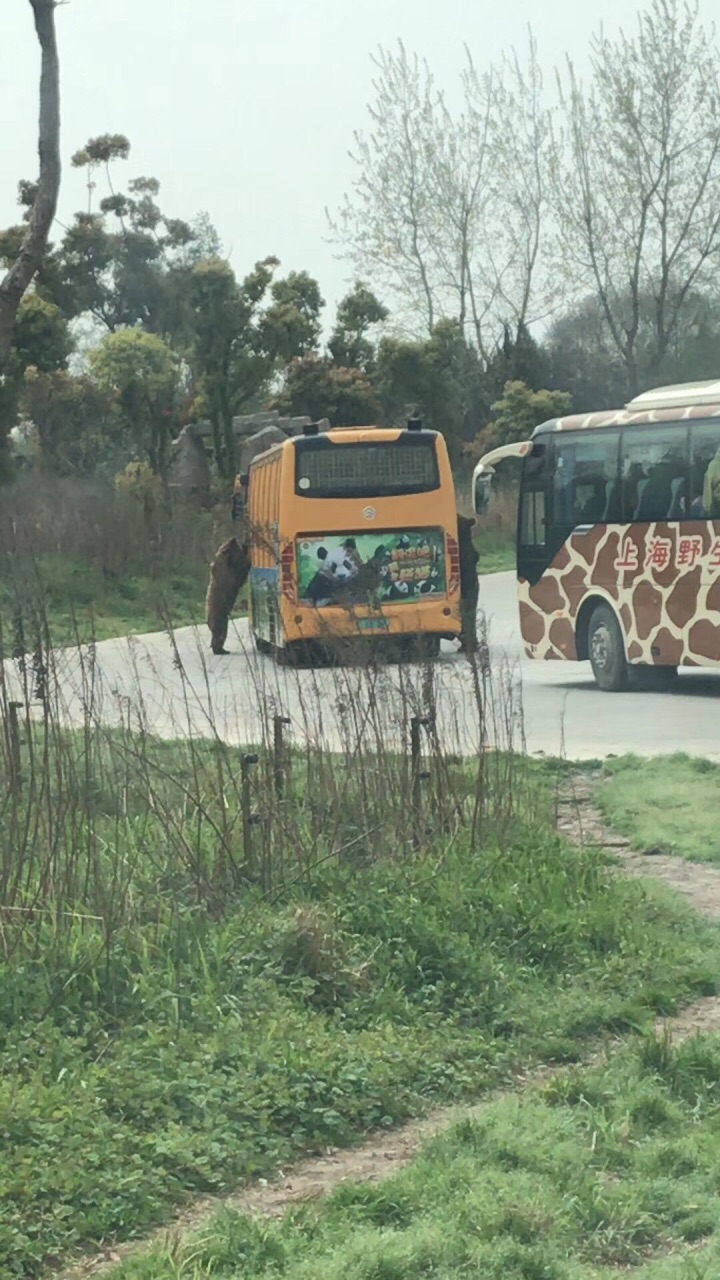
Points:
[439,618]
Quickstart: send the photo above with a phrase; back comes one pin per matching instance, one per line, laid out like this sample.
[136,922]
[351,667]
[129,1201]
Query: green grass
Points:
[496,550]
[601,1170]
[79,601]
[184,1028]
[671,803]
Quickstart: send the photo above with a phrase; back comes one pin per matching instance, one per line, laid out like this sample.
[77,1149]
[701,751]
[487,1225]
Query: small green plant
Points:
[594,1173]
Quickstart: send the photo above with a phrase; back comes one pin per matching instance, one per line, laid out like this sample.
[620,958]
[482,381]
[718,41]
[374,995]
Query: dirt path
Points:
[383,1154]
[580,820]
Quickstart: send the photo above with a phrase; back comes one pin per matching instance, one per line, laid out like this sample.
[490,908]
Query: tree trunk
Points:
[22,272]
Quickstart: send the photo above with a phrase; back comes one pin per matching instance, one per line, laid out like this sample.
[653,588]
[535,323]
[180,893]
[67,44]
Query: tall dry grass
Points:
[88,520]
[102,821]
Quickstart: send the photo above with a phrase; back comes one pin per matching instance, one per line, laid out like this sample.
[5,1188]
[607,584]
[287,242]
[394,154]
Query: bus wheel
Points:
[263,646]
[607,652]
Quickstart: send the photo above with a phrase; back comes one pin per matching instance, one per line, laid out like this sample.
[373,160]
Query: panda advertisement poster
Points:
[377,568]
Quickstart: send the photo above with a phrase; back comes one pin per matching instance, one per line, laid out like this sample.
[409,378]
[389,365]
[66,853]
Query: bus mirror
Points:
[482,494]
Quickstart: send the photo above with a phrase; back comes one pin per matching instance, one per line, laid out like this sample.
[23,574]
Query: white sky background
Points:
[246,108]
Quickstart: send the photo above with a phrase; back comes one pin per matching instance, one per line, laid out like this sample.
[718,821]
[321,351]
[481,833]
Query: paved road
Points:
[176,687]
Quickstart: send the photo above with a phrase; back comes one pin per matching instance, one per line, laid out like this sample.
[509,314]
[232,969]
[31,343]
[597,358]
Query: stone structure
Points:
[189,473]
[250,424]
[189,470]
[252,445]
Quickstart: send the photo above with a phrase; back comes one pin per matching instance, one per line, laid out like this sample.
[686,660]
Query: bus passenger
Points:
[657,495]
[711,488]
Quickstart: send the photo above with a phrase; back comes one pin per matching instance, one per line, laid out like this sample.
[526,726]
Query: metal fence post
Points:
[416,724]
[279,725]
[246,805]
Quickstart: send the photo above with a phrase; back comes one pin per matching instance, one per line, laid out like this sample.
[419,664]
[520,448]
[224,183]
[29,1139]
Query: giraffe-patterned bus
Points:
[618,552]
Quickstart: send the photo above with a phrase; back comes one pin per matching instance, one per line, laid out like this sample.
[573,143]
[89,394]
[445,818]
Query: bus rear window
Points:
[384,470]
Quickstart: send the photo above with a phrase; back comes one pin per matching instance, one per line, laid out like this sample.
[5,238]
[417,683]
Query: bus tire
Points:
[263,646]
[607,651]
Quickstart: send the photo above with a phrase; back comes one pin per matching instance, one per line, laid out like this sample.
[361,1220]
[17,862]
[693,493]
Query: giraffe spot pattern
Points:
[674,610]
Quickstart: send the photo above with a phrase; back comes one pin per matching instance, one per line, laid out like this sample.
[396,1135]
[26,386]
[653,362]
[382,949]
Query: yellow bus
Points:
[353,533]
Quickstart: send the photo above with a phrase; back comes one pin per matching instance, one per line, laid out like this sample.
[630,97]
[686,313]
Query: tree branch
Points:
[32,250]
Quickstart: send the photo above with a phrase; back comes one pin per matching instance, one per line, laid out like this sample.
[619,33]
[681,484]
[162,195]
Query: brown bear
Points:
[229,572]
[469,585]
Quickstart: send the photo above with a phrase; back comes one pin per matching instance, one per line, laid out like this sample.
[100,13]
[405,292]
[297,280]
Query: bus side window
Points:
[705,472]
[533,509]
[654,473]
[585,489]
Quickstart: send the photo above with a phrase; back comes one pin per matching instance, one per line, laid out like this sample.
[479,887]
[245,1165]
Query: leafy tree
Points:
[101,151]
[519,358]
[141,374]
[72,417]
[440,378]
[243,332]
[358,313]
[42,335]
[585,360]
[517,413]
[41,341]
[126,262]
[226,344]
[316,386]
[291,323]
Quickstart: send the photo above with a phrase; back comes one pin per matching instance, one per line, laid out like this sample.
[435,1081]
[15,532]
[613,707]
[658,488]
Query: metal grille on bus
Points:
[347,467]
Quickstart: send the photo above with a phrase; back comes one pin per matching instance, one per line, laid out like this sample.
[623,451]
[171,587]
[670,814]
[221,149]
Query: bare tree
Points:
[637,185]
[448,210]
[385,227]
[34,244]
[512,125]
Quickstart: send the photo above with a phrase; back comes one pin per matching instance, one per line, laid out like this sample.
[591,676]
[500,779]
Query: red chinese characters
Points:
[659,554]
[629,558]
[689,552]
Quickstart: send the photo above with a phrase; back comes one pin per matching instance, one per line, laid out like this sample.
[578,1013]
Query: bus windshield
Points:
[387,469]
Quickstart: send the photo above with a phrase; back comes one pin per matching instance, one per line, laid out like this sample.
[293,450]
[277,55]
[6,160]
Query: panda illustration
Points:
[342,564]
[398,591]
[431,583]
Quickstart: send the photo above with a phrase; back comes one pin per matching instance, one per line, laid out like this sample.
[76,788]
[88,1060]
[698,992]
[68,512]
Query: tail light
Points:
[453,555]
[287,565]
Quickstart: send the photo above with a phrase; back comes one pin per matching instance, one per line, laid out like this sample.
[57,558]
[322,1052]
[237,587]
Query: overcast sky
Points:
[246,108]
